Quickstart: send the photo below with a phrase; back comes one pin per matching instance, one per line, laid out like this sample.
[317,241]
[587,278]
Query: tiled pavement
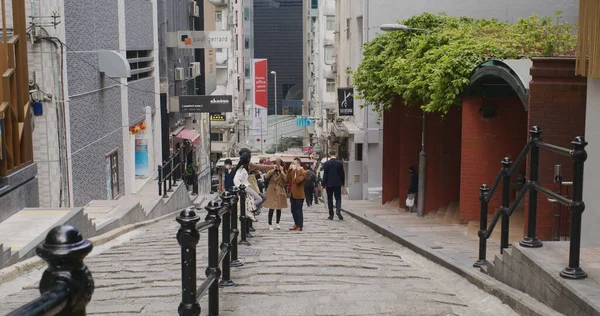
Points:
[331,268]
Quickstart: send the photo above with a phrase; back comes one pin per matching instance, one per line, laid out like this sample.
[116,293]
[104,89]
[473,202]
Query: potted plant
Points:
[190,173]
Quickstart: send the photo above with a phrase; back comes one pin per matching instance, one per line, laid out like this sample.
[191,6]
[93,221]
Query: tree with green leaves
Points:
[432,70]
[284,144]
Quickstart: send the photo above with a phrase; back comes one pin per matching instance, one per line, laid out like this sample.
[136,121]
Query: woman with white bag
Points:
[241,177]
[413,188]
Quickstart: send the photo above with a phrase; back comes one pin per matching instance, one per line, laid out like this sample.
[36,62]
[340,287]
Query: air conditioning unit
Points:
[194,9]
[179,74]
[194,69]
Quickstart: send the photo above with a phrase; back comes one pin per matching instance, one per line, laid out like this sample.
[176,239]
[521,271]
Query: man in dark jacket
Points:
[413,187]
[334,180]
[309,186]
[228,175]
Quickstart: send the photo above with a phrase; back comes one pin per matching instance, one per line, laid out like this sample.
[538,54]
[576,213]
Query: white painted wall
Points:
[591,180]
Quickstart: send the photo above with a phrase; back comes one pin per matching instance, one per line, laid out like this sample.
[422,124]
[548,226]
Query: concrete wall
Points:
[591,184]
[557,103]
[485,142]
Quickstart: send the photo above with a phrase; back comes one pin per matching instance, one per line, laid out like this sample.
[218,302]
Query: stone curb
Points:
[520,302]
[18,269]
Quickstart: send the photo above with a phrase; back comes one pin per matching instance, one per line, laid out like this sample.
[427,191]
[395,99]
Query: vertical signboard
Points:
[261,100]
[346,101]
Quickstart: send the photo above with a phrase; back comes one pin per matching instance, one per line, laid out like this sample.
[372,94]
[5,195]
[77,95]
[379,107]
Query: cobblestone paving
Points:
[331,268]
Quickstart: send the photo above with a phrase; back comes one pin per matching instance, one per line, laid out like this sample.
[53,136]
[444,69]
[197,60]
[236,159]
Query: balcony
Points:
[218,3]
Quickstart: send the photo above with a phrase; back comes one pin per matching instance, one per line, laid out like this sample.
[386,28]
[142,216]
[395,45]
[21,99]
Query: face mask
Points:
[227,167]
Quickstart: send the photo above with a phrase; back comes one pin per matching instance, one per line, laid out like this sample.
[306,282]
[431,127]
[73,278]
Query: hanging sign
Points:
[205,103]
[217,117]
[346,101]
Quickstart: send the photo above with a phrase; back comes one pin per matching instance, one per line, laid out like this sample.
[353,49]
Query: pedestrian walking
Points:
[228,175]
[276,194]
[253,182]
[241,177]
[413,188]
[297,175]
[334,180]
[309,186]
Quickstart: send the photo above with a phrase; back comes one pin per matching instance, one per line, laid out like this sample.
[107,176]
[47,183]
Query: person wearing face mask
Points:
[297,176]
[228,176]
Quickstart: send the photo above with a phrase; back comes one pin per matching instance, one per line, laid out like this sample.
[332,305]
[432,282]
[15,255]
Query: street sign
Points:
[217,117]
[303,121]
[205,103]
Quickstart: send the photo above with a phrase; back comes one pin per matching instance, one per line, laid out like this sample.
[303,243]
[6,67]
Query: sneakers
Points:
[278,227]
[270,227]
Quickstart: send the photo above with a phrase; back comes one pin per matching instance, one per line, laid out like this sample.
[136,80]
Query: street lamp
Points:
[422,155]
[276,141]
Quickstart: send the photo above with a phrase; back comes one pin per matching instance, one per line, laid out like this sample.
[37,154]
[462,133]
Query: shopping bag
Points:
[410,201]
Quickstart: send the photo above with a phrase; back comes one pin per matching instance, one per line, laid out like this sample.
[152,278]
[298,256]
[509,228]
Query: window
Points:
[330,23]
[329,55]
[314,4]
[359,24]
[347,28]
[246,14]
[141,63]
[216,137]
[246,42]
[219,16]
[247,70]
[358,152]
[330,85]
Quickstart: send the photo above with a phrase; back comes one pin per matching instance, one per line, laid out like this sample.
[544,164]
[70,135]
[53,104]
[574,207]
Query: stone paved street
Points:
[331,268]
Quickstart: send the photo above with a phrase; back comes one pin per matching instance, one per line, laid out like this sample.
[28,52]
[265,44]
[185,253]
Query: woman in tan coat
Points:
[276,194]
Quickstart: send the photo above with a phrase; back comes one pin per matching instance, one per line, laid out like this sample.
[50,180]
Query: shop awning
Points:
[190,135]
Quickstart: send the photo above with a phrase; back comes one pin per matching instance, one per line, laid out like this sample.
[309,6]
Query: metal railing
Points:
[169,172]
[575,205]
[67,285]
[188,237]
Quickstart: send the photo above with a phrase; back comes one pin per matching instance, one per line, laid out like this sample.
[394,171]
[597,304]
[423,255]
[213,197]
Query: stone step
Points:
[441,214]
[456,219]
[451,211]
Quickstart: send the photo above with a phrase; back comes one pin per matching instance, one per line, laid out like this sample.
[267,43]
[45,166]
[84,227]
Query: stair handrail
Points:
[532,186]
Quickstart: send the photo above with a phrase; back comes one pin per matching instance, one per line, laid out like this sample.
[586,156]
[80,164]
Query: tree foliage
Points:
[284,144]
[433,70]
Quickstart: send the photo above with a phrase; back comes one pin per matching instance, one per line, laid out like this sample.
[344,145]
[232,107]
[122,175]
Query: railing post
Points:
[226,240]
[532,241]
[579,156]
[67,278]
[213,257]
[235,262]
[483,191]
[159,180]
[506,164]
[164,180]
[188,237]
[243,218]
[171,174]
[176,167]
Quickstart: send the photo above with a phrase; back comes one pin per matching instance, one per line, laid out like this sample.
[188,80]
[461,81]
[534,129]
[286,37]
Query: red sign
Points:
[260,83]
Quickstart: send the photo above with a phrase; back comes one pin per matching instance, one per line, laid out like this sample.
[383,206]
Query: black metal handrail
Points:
[575,205]
[224,254]
[169,173]
[67,285]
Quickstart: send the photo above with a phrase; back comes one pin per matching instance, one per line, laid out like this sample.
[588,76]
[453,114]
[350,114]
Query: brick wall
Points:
[485,142]
[557,100]
[402,144]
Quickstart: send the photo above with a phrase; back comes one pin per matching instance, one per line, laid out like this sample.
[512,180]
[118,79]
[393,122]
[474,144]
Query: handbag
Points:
[410,201]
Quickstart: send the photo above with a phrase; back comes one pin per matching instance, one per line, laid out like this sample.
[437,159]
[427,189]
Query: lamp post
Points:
[422,154]
[276,141]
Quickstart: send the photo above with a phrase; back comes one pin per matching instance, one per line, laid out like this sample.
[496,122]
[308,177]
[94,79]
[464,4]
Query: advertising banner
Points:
[260,126]
[217,117]
[346,101]
[141,157]
[205,103]
[199,39]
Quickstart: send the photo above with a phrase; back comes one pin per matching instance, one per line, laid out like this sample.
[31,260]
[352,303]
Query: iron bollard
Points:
[226,240]
[506,164]
[579,156]
[243,218]
[159,180]
[67,285]
[235,262]
[213,256]
[531,240]
[188,237]
[483,191]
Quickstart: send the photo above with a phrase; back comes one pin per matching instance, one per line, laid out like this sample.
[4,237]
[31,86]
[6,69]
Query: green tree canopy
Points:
[433,70]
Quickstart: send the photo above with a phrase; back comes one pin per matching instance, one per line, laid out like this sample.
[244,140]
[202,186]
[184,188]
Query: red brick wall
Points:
[557,100]
[485,142]
[402,144]
[391,152]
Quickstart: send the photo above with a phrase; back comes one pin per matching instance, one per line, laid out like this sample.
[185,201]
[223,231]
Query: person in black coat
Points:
[309,186]
[228,175]
[334,180]
[413,186]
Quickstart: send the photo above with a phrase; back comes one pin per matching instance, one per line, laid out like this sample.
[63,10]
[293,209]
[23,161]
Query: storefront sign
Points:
[199,39]
[217,117]
[346,101]
[260,124]
[205,103]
